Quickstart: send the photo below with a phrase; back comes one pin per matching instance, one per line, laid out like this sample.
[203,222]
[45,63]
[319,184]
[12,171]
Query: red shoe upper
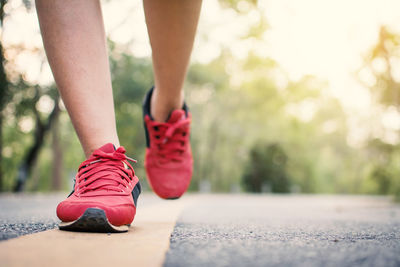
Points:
[106,180]
[168,159]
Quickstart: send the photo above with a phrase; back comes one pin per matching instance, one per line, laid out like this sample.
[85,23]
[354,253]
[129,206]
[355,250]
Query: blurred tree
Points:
[382,64]
[249,120]
[3,91]
[240,6]
[131,78]
[57,151]
[28,106]
[385,169]
[21,103]
[266,169]
[5,94]
[381,174]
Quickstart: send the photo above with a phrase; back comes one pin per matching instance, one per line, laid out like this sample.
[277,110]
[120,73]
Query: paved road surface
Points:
[253,230]
[24,214]
[287,231]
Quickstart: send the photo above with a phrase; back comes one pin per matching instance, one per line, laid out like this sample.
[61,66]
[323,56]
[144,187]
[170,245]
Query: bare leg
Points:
[172,27]
[75,43]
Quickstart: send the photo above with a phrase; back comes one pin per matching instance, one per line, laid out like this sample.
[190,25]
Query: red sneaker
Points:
[105,194]
[168,162]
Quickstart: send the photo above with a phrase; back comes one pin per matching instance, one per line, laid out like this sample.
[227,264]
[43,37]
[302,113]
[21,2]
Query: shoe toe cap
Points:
[68,211]
[169,184]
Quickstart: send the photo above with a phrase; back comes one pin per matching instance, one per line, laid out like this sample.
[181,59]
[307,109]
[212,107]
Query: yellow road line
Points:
[145,244]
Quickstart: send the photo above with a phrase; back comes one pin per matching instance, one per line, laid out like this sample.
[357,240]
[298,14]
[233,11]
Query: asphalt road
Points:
[22,214]
[287,231]
[253,230]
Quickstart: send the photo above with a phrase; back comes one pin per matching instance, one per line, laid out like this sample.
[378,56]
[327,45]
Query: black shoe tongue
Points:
[176,115]
[108,148]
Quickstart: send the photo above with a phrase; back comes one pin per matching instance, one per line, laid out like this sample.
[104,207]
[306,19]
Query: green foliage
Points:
[243,130]
[380,63]
[252,126]
[382,176]
[240,6]
[21,120]
[267,167]
[131,78]
[385,171]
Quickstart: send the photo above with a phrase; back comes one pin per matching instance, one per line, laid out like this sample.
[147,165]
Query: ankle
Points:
[162,105]
[90,147]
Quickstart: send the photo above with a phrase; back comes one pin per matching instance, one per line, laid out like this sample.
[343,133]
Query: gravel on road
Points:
[22,214]
[279,230]
[28,213]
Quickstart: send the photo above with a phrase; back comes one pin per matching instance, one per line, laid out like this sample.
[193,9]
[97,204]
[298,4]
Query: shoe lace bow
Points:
[110,172]
[170,138]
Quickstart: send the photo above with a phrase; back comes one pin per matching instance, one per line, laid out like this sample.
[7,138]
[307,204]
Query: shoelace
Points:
[105,172]
[170,138]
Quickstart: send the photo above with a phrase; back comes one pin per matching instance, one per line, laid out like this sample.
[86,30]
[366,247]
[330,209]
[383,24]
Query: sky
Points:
[324,38]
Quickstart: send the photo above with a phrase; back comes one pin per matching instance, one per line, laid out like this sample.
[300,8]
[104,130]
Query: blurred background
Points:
[287,96]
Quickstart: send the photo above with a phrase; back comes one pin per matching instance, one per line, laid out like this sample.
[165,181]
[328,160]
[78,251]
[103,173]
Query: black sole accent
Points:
[136,192]
[92,220]
[172,198]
